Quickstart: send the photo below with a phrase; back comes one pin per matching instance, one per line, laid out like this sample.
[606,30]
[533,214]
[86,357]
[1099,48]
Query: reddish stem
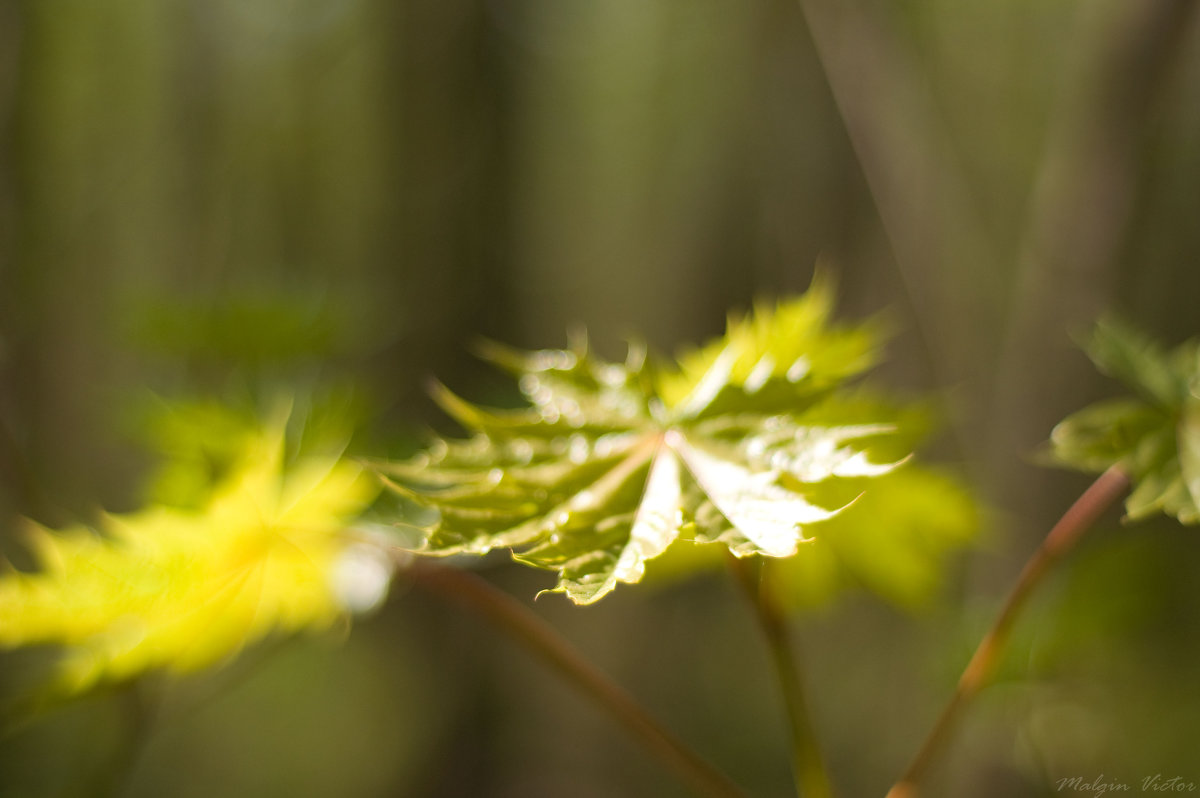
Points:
[1082,515]
[523,626]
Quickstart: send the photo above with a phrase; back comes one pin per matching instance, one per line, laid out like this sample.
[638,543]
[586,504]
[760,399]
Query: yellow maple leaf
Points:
[183,589]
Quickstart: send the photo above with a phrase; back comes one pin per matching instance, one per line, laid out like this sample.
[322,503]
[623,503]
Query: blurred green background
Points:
[208,197]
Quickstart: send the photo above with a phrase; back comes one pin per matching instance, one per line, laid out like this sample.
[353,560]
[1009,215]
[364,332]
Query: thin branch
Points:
[1082,515]
[523,626]
[945,256]
[920,190]
[808,766]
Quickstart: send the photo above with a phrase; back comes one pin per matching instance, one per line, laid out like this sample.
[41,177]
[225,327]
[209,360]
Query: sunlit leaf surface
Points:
[892,542]
[894,537]
[1154,435]
[744,443]
[183,588]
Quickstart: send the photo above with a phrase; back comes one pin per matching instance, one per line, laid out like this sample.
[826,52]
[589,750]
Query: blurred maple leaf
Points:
[183,588]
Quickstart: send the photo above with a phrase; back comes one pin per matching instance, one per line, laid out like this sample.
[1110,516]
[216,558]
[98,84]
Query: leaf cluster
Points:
[750,443]
[1154,434]
[181,587]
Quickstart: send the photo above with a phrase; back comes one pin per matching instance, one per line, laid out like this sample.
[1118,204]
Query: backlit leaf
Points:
[181,588]
[754,502]
[895,536]
[610,464]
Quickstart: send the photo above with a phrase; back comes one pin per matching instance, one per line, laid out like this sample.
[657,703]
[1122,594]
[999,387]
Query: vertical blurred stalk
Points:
[926,206]
[621,179]
[808,765]
[1081,205]
[15,487]
[447,109]
[90,194]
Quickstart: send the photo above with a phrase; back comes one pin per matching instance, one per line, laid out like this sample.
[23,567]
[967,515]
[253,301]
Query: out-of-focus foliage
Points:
[748,443]
[1154,435]
[893,541]
[250,328]
[195,195]
[181,587]
[200,443]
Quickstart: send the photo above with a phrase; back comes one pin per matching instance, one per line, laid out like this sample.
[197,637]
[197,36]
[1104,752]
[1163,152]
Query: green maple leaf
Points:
[742,443]
[1154,434]
[892,541]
